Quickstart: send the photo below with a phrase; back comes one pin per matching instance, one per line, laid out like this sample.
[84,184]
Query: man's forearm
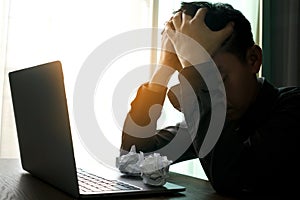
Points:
[140,123]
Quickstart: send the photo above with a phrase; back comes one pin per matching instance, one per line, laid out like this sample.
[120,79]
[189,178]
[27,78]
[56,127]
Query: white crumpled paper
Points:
[130,163]
[153,168]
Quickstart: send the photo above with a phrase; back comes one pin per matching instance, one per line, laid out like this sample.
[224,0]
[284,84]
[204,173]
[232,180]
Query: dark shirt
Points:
[256,154]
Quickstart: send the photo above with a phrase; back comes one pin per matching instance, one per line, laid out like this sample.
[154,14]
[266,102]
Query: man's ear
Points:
[254,58]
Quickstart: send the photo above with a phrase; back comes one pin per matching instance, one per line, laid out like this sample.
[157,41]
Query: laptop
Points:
[45,140]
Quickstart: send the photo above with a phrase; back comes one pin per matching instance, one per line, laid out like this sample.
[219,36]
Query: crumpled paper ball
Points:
[153,168]
[130,163]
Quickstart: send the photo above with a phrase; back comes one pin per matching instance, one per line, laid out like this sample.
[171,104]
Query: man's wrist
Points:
[162,75]
[156,87]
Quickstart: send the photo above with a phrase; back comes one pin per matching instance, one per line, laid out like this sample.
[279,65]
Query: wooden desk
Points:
[17,184]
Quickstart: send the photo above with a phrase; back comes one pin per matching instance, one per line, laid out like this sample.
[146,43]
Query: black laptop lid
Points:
[42,121]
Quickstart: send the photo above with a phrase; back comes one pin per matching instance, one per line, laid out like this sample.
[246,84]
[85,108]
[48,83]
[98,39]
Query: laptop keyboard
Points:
[91,183]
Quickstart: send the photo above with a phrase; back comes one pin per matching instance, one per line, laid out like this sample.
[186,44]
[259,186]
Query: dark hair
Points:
[217,17]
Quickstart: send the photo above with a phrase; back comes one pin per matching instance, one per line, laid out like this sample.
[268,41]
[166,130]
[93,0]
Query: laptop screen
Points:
[42,122]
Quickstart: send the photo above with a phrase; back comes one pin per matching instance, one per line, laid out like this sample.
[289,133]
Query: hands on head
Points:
[174,46]
[196,29]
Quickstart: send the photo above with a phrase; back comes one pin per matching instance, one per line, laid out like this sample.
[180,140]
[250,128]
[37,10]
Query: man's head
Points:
[238,58]
[217,17]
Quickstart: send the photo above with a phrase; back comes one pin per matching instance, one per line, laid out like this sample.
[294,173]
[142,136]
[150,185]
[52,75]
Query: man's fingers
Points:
[227,30]
[177,20]
[169,30]
[171,25]
[200,15]
[186,18]
[168,24]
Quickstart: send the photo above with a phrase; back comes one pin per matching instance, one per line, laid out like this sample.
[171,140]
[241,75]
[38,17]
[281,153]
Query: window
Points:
[44,31]
[35,32]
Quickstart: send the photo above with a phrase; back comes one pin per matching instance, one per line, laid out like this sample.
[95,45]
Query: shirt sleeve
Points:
[140,127]
[196,106]
[140,123]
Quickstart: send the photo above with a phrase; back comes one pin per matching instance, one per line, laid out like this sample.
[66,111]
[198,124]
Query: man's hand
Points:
[188,31]
[168,55]
[168,61]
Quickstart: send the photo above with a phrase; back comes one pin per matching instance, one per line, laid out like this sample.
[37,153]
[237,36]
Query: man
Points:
[256,147]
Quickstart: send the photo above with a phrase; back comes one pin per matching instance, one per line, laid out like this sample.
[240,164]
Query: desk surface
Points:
[17,184]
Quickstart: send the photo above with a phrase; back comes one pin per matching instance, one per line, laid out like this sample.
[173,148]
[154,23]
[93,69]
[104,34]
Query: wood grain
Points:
[16,184]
